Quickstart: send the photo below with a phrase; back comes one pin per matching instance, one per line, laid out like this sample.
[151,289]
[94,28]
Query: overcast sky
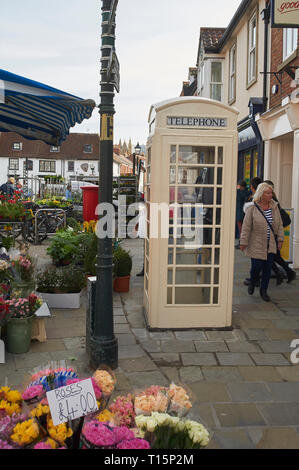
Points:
[57,42]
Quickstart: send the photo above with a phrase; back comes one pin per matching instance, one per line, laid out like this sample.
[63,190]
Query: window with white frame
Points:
[47,165]
[290,41]
[252,30]
[13,163]
[70,166]
[216,81]
[232,74]
[54,149]
[201,72]
[17,146]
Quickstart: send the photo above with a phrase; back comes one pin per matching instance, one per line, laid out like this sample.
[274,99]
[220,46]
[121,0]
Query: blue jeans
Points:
[264,266]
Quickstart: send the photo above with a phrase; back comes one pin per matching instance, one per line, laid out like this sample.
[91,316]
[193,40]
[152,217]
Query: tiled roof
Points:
[211,37]
[70,149]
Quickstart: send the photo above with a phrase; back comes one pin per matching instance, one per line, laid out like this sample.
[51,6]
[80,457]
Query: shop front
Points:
[190,199]
[280,131]
[250,144]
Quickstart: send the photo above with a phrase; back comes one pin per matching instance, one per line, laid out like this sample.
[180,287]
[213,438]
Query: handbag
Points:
[286,219]
[275,236]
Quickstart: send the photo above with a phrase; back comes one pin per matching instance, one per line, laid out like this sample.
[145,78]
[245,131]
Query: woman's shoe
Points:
[291,275]
[264,295]
[251,289]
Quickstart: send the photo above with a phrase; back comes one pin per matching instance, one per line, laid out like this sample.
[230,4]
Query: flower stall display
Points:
[129,422]
[21,312]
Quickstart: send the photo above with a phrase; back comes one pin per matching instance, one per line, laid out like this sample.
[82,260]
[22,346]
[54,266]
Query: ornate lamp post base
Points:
[103,351]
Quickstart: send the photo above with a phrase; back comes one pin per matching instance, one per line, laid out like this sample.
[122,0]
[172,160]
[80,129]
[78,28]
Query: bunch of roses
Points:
[101,435]
[105,381]
[145,403]
[123,411]
[33,393]
[179,400]
[172,432]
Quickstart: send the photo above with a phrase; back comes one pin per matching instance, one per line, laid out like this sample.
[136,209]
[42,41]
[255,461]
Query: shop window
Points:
[216,81]
[13,163]
[232,74]
[252,32]
[47,165]
[290,40]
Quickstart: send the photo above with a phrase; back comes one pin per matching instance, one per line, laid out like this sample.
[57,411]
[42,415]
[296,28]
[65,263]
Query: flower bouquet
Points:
[7,424]
[26,433]
[53,375]
[62,433]
[3,311]
[101,435]
[151,399]
[105,379]
[180,403]
[33,394]
[10,401]
[167,432]
[122,411]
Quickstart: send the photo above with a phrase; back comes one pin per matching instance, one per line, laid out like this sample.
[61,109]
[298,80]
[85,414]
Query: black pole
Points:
[134,163]
[103,343]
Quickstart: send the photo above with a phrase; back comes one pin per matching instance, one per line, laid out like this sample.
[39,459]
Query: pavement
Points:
[244,387]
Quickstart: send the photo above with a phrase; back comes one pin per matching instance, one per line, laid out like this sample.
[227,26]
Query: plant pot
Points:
[61,300]
[18,334]
[121,284]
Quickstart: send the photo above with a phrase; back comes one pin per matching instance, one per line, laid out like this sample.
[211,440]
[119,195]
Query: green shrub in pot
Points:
[122,261]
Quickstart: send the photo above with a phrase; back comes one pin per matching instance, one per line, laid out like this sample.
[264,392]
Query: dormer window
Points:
[54,149]
[17,146]
[87,148]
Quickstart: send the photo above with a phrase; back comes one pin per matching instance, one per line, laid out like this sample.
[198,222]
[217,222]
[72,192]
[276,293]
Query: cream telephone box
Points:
[190,214]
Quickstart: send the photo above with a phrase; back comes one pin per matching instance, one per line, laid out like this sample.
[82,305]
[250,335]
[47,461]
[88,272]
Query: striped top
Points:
[269,217]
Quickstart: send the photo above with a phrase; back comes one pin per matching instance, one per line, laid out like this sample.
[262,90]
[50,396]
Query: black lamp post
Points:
[103,348]
[137,151]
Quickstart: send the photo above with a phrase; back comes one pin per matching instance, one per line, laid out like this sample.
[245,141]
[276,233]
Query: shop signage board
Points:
[72,401]
[191,121]
[287,247]
[284,14]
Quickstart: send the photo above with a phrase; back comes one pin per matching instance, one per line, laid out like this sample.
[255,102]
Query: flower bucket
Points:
[18,335]
[121,284]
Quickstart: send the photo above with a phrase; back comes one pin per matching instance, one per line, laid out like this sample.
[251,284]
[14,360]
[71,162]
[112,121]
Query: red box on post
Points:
[90,202]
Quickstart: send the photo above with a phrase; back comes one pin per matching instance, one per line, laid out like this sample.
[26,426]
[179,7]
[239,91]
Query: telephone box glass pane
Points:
[192,295]
[169,295]
[169,277]
[172,175]
[170,256]
[220,155]
[197,256]
[184,276]
[196,155]
[173,154]
[196,175]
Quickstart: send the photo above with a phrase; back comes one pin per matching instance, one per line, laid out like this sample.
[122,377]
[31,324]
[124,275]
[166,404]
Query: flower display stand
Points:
[38,325]
[2,349]
[61,300]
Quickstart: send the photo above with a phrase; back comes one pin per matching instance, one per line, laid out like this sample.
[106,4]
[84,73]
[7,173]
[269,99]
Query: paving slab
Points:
[248,392]
[151,346]
[211,346]
[243,346]
[191,335]
[260,374]
[171,373]
[255,334]
[198,359]
[232,439]
[280,414]
[140,380]
[130,351]
[210,392]
[275,346]
[276,334]
[221,374]
[261,359]
[190,374]
[279,438]
[125,339]
[289,374]
[166,359]
[234,359]
[177,346]
[238,414]
[137,365]
[284,391]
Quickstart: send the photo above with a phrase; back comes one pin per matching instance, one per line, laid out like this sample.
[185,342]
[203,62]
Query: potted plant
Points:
[61,287]
[63,247]
[122,270]
[24,281]
[21,313]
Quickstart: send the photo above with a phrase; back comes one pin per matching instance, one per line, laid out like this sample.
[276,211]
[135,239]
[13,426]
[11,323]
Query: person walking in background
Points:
[254,182]
[262,235]
[8,188]
[68,192]
[242,196]
[290,273]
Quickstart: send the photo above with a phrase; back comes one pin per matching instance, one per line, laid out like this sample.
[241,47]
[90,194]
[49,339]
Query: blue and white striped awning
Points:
[37,111]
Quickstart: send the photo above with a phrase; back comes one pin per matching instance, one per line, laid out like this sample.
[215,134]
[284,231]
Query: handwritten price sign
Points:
[72,401]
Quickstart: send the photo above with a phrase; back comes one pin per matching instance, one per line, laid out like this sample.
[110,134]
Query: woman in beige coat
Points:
[258,240]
